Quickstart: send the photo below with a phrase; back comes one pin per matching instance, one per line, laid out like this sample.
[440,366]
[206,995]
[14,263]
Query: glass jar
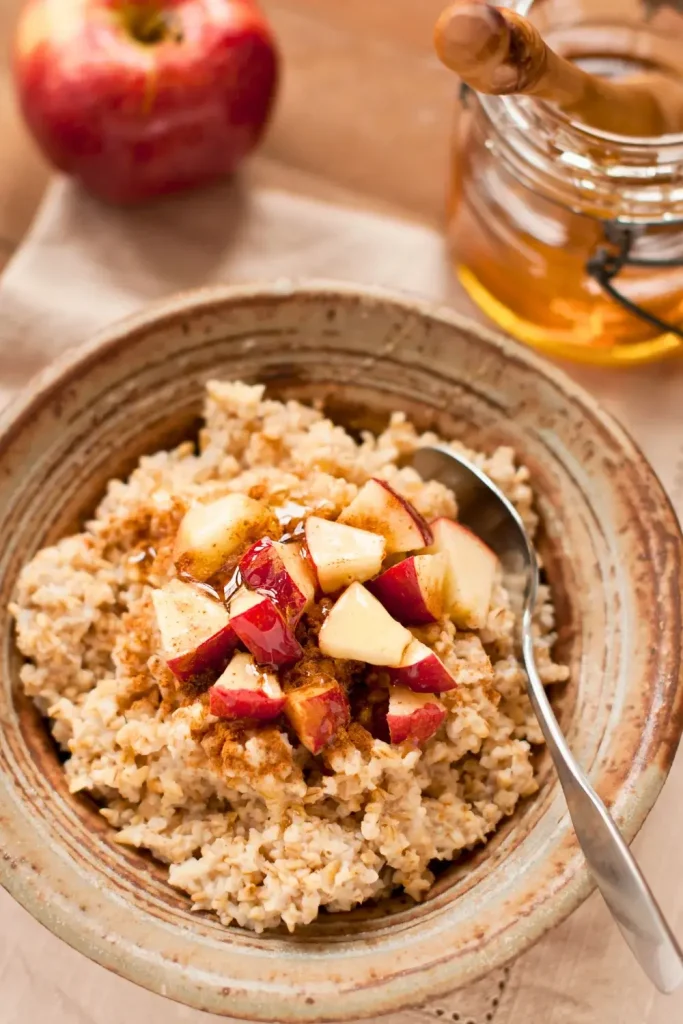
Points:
[569,238]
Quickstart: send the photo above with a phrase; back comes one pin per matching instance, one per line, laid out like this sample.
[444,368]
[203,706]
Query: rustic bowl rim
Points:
[79,359]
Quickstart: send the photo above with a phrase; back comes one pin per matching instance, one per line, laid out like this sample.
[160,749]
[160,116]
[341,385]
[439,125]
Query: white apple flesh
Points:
[422,671]
[413,716]
[342,554]
[378,508]
[210,534]
[263,630]
[358,628]
[246,691]
[412,591]
[282,572]
[196,636]
[470,575]
[317,711]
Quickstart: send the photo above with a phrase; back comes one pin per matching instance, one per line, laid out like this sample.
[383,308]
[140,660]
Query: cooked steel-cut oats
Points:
[252,825]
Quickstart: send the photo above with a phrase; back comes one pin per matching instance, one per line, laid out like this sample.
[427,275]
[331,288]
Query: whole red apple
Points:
[139,98]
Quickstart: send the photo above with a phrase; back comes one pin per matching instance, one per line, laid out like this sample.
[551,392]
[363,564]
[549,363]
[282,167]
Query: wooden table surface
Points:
[364,114]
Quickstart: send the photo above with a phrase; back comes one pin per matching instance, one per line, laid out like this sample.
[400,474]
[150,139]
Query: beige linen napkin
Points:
[84,266]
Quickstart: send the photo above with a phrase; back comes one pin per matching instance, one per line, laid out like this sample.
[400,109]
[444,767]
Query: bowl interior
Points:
[611,548]
[358,410]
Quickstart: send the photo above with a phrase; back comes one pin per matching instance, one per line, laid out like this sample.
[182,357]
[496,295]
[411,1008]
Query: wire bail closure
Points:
[607,263]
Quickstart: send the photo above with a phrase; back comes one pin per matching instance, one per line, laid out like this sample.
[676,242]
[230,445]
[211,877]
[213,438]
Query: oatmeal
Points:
[277,662]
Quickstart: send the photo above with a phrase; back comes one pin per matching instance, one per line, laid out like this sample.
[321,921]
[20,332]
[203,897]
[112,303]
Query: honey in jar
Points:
[568,237]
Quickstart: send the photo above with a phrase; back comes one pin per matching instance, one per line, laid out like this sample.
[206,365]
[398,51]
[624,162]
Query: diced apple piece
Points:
[246,691]
[282,572]
[413,716]
[358,628]
[196,636]
[378,508]
[470,574]
[262,628]
[209,534]
[422,671]
[317,711]
[413,590]
[342,554]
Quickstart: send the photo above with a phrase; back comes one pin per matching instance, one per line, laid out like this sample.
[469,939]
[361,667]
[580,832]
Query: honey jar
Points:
[568,237]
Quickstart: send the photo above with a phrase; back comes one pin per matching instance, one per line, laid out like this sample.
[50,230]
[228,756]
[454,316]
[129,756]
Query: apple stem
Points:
[149,26]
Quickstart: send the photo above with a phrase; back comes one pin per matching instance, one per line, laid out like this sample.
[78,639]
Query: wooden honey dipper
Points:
[496,51]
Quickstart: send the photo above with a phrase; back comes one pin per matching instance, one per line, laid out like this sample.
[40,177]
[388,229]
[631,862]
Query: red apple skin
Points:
[244,704]
[398,589]
[207,660]
[418,726]
[134,121]
[317,711]
[266,635]
[262,569]
[429,675]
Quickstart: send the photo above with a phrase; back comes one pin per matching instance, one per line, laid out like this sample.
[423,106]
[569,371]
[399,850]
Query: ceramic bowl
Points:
[613,552]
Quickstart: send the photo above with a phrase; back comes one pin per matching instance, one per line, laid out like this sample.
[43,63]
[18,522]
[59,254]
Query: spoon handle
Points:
[609,859]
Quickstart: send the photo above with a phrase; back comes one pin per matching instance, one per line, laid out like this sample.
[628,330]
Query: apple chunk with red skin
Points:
[422,671]
[342,554]
[317,711]
[413,716]
[412,591]
[470,574]
[359,628]
[282,572]
[378,508]
[210,534]
[263,630]
[139,99]
[196,636]
[246,691]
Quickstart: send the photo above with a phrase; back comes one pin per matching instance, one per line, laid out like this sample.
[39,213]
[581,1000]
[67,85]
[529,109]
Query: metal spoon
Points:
[488,513]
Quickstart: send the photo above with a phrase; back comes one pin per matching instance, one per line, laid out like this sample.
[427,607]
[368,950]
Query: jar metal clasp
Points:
[609,260]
